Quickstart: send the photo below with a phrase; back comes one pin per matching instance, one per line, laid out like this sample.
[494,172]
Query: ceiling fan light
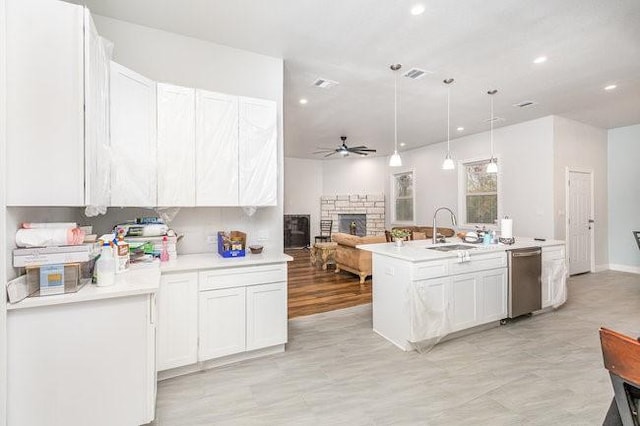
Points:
[448,164]
[492,166]
[395,160]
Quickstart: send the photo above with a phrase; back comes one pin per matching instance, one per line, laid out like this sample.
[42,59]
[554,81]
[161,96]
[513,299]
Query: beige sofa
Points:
[351,259]
[425,232]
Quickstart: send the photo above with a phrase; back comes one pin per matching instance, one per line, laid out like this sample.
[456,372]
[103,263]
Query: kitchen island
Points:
[422,294]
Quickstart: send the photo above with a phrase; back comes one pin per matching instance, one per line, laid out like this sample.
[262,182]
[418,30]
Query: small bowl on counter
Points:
[255,249]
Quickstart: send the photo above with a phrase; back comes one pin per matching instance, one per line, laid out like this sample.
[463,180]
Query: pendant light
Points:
[448,164]
[395,160]
[492,167]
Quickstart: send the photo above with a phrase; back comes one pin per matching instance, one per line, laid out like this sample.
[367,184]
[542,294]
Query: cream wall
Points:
[176,59]
[580,146]
[354,175]
[3,204]
[624,197]
[303,189]
[525,152]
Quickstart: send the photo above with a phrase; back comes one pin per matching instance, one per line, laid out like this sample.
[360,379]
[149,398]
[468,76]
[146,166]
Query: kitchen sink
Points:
[452,247]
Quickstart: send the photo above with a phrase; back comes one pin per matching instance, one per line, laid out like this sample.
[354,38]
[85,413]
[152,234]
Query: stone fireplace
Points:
[367,210]
[355,224]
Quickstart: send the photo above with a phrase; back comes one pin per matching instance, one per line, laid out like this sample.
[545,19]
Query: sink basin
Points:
[452,247]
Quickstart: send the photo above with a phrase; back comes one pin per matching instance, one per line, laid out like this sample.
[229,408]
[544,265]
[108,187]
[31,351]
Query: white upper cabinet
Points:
[216,149]
[45,118]
[96,94]
[176,146]
[133,139]
[258,152]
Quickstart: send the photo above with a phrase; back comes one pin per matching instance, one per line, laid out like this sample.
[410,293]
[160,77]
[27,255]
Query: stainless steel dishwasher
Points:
[525,284]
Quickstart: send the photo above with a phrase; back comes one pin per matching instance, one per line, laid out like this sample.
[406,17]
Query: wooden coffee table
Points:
[325,253]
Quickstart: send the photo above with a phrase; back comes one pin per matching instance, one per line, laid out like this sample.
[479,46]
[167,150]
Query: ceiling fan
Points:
[344,150]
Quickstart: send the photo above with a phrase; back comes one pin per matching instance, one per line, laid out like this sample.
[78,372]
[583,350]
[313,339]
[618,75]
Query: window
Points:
[402,187]
[479,193]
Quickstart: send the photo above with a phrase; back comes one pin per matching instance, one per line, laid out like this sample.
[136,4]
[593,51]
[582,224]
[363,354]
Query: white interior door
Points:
[580,222]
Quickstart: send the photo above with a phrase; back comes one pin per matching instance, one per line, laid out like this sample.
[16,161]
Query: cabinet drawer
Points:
[478,263]
[242,276]
[552,253]
[426,270]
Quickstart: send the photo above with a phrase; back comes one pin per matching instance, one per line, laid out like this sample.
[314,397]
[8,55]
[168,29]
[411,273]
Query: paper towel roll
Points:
[506,228]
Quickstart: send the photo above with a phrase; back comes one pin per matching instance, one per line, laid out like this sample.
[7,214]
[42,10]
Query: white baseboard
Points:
[625,268]
[600,268]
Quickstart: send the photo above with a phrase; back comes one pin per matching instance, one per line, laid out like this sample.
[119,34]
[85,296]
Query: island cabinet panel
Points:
[431,309]
[222,322]
[177,320]
[493,295]
[464,301]
[553,275]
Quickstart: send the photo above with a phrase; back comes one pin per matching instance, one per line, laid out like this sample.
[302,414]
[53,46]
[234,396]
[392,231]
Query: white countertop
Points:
[415,251]
[196,262]
[139,279]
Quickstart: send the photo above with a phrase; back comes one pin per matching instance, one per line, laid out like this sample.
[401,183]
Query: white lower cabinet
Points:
[222,322]
[553,275]
[266,315]
[471,299]
[177,320]
[220,312]
[239,319]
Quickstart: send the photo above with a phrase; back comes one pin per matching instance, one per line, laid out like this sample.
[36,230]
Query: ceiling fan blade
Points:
[329,154]
[366,150]
[358,147]
[324,151]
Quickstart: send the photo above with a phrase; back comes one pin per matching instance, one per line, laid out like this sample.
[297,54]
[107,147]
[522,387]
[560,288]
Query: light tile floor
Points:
[543,370]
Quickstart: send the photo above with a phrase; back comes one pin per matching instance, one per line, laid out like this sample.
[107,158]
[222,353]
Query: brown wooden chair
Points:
[621,356]
[325,231]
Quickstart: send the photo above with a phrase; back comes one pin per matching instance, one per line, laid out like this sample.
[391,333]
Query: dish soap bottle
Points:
[164,254]
[106,267]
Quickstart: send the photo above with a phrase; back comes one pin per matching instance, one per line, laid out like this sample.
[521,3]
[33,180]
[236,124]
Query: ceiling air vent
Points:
[324,83]
[525,104]
[416,73]
[495,120]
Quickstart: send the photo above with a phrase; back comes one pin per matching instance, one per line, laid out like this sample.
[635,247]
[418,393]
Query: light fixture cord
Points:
[491,131]
[448,114]
[395,110]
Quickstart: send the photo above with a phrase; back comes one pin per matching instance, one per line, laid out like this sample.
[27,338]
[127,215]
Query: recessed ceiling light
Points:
[540,60]
[417,9]
[303,101]
[402,144]
[460,129]
[610,87]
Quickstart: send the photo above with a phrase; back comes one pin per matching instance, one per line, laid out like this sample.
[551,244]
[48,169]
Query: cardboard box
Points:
[232,244]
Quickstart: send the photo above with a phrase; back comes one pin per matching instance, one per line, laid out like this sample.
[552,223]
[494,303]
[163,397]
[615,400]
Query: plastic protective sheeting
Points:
[428,314]
[97,144]
[133,138]
[217,148]
[558,275]
[258,152]
[167,214]
[176,146]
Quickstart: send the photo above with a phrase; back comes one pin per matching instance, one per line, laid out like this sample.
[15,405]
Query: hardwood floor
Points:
[312,290]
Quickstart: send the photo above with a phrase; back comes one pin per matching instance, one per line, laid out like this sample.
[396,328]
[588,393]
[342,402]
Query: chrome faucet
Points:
[454,222]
